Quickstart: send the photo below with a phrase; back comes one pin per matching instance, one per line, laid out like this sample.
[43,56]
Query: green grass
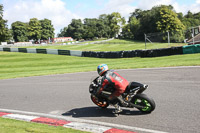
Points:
[115,45]
[15,126]
[13,65]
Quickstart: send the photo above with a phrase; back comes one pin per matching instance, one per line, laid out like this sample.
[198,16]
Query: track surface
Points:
[176,92]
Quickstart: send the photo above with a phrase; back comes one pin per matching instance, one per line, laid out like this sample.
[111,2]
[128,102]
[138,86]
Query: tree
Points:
[126,32]
[47,30]
[76,29]
[191,20]
[5,33]
[115,23]
[90,29]
[131,29]
[169,22]
[63,32]
[34,29]
[20,33]
[159,19]
[103,27]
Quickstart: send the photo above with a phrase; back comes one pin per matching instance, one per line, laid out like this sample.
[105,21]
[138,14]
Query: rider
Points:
[114,80]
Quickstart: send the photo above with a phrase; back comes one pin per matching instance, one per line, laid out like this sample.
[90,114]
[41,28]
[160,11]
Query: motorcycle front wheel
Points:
[148,104]
[101,102]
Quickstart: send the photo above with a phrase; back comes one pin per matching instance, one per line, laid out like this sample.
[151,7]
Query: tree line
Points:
[22,32]
[160,18]
[33,30]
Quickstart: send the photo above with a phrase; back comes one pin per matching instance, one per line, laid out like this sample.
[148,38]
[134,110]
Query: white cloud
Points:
[194,8]
[51,9]
[123,7]
[148,4]
[184,8]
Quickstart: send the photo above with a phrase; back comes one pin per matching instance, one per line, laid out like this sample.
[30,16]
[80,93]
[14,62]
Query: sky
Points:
[61,12]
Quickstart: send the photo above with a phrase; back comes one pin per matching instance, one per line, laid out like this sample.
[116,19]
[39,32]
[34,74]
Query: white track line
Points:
[86,122]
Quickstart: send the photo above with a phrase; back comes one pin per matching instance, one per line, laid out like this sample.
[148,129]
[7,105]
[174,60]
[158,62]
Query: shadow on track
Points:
[98,112]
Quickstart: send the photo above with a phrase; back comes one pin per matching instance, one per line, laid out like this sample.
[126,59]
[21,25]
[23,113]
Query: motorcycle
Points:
[133,96]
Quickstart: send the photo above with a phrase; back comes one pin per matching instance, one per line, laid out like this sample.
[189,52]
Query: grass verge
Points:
[16,126]
[113,45]
[13,65]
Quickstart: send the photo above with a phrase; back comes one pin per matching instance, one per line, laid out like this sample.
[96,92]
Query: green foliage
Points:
[168,21]
[75,29]
[20,33]
[191,20]
[63,32]
[159,19]
[115,21]
[105,26]
[34,29]
[5,33]
[47,30]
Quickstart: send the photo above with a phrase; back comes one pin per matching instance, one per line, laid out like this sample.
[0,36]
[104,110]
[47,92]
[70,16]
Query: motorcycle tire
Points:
[101,102]
[142,100]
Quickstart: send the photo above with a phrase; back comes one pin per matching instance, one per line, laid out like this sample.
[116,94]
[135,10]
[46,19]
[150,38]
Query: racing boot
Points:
[117,109]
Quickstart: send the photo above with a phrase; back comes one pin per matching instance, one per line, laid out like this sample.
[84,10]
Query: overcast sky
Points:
[61,12]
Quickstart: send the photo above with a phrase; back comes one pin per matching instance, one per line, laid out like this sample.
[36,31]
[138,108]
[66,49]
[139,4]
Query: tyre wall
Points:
[189,49]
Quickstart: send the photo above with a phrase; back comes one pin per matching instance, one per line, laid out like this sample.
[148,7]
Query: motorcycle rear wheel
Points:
[147,103]
[101,102]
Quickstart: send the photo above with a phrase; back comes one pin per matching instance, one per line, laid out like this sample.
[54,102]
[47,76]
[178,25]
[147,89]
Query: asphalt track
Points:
[176,92]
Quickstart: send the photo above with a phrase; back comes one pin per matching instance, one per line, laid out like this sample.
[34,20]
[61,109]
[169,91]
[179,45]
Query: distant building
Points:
[62,39]
[195,36]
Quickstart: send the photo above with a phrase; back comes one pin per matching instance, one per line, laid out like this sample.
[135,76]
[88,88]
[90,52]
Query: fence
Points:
[190,36]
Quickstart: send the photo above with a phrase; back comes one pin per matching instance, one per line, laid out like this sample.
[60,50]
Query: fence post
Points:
[193,34]
[168,38]
[145,37]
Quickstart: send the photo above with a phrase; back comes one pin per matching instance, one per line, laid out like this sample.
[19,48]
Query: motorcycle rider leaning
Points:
[111,79]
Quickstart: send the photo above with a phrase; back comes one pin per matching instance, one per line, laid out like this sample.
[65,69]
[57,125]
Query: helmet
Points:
[102,68]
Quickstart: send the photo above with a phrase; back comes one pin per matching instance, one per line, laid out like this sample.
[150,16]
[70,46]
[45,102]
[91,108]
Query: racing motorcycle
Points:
[133,96]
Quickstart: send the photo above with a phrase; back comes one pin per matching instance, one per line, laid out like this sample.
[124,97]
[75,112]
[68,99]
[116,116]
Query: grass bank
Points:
[113,45]
[13,65]
[16,126]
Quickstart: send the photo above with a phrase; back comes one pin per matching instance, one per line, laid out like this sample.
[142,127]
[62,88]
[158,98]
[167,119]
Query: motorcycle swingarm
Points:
[136,106]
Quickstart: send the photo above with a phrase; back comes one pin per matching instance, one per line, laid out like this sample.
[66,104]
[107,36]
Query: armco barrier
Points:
[42,51]
[14,50]
[24,50]
[6,49]
[189,49]
[64,52]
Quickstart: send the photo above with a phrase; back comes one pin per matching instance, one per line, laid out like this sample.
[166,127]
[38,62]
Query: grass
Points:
[13,65]
[16,126]
[115,45]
